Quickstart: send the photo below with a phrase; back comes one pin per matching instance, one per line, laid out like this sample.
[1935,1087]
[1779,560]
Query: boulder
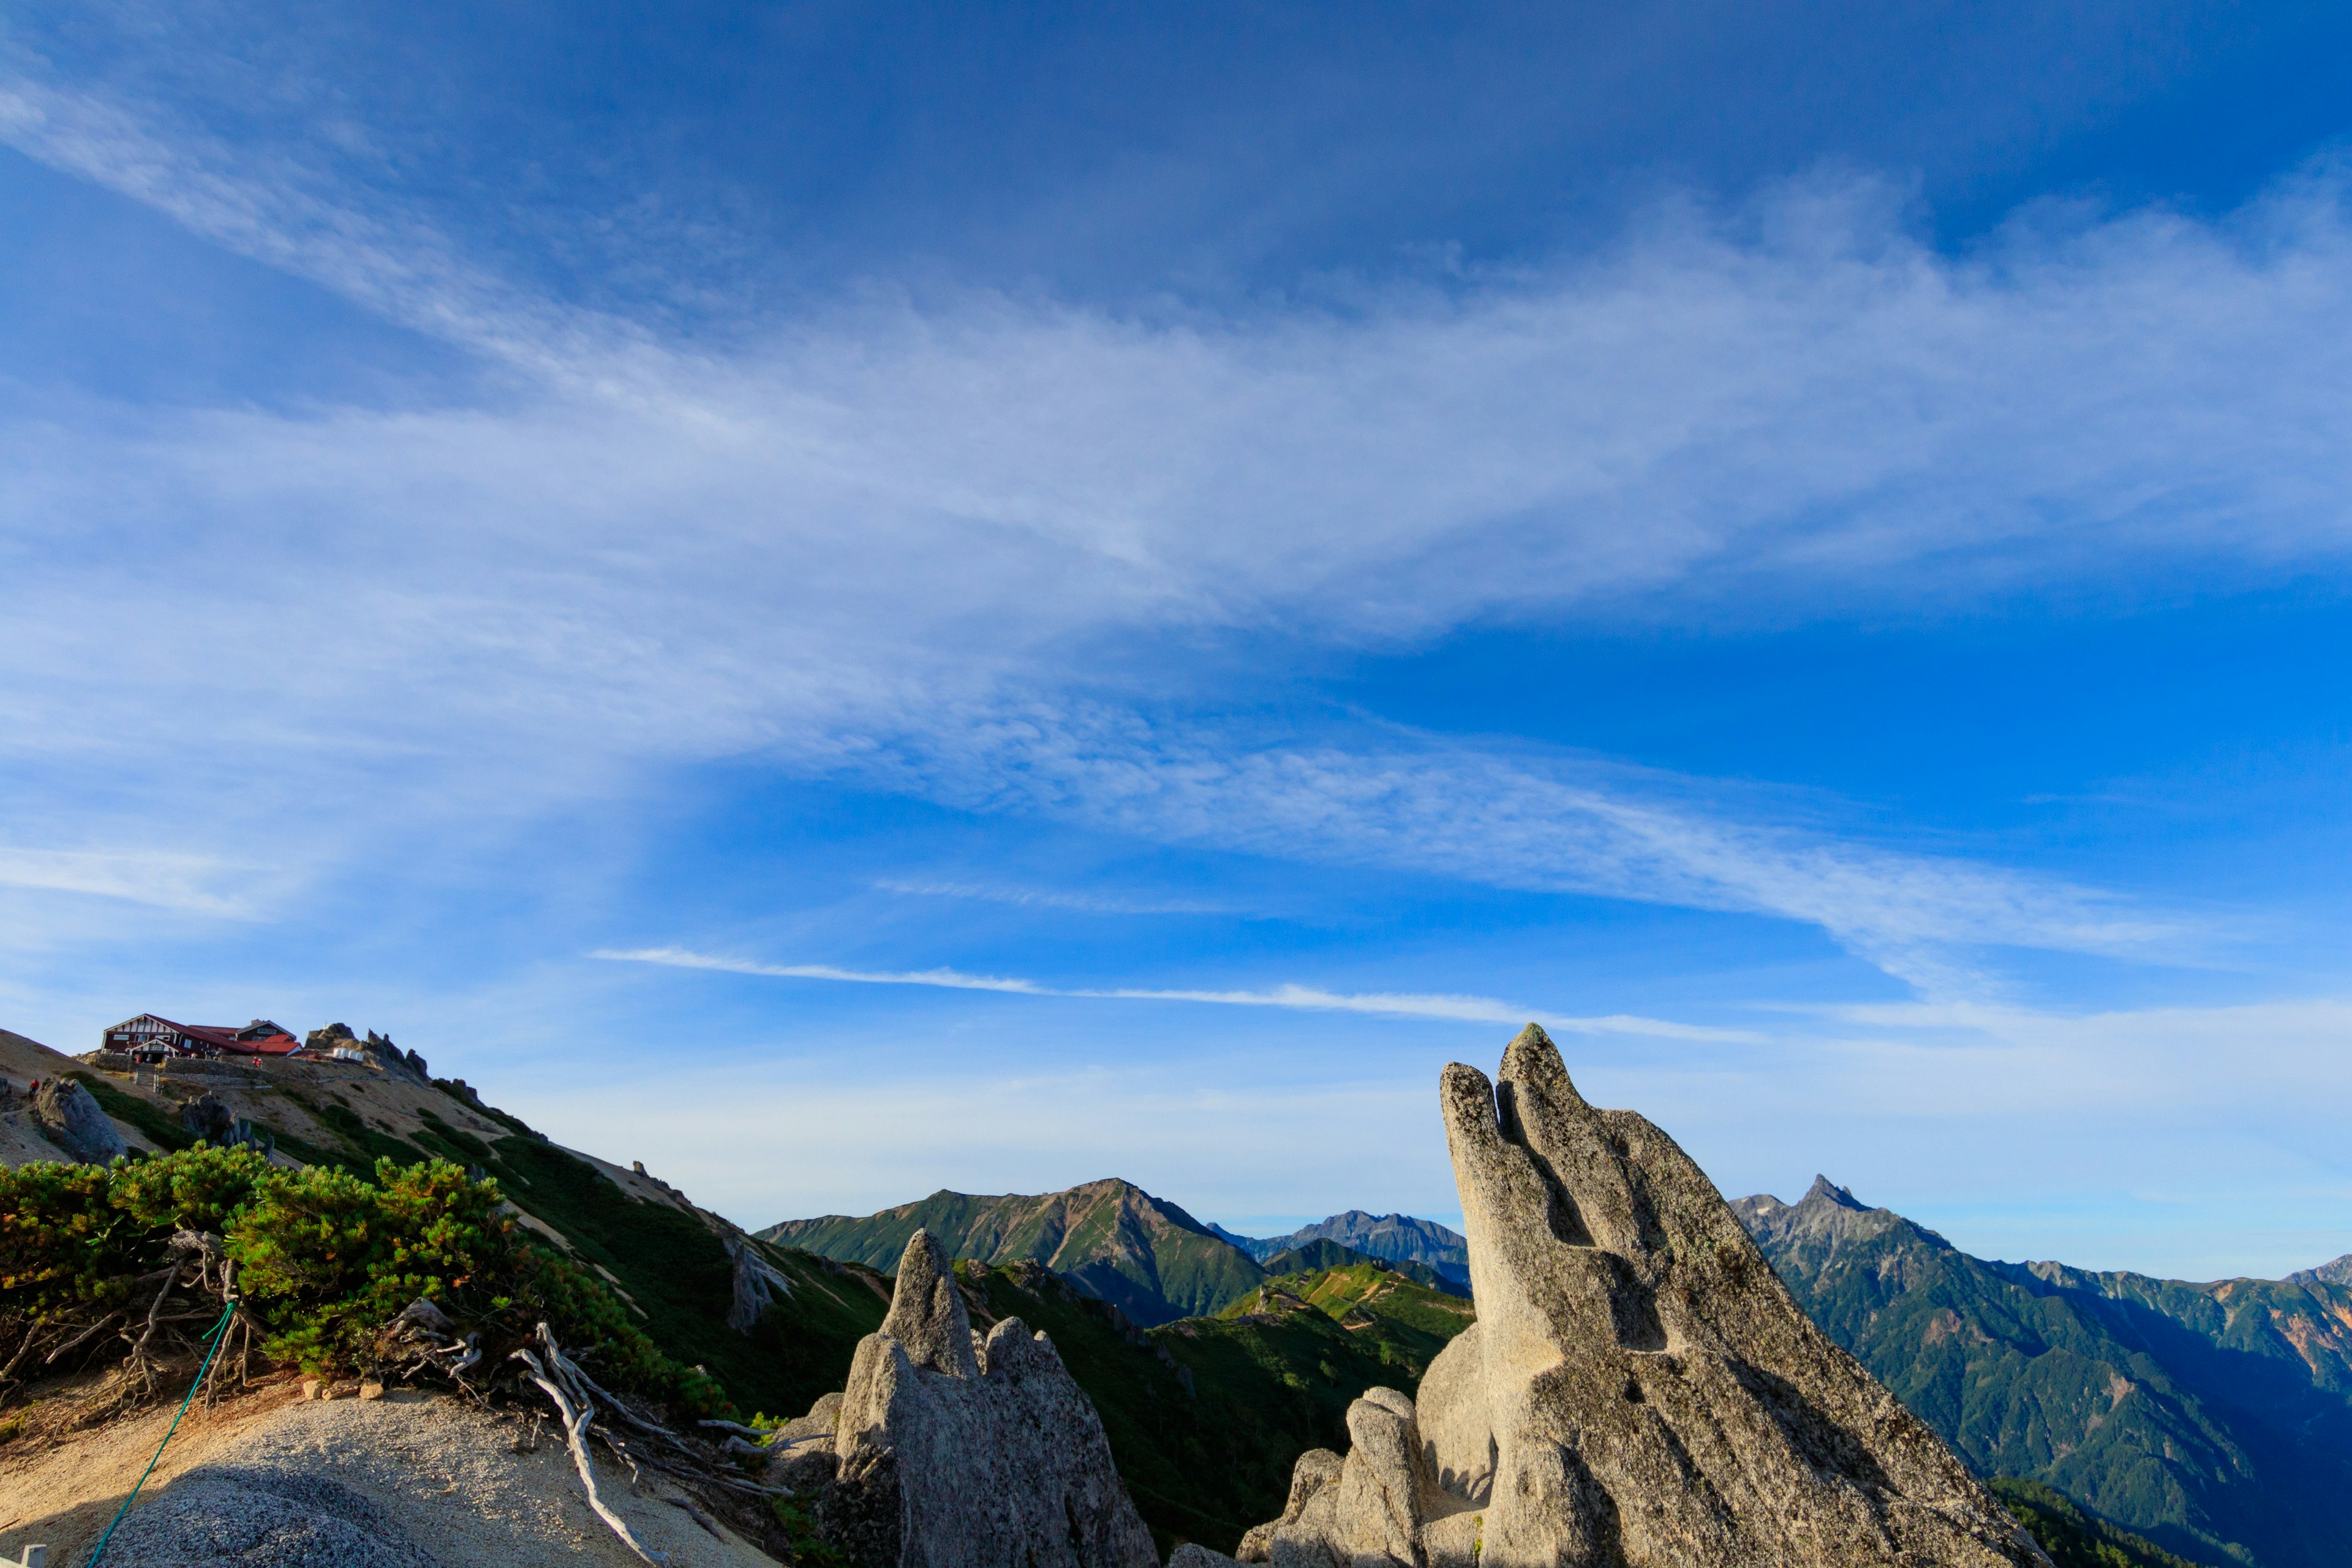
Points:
[952,1460]
[209,1118]
[801,1452]
[1639,1389]
[69,1116]
[264,1517]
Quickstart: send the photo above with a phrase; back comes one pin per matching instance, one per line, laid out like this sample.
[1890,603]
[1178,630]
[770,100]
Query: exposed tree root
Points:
[576,1418]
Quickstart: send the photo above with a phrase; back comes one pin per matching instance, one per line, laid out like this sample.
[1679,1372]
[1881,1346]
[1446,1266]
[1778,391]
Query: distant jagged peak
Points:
[1828,1213]
[2337,1273]
[1824,1190]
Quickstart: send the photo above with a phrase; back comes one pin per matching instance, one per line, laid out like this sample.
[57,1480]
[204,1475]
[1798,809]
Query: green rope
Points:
[219,1338]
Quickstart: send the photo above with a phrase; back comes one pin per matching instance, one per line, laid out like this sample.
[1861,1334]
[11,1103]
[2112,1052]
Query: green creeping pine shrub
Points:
[329,1259]
[73,1237]
[324,1258]
[63,1244]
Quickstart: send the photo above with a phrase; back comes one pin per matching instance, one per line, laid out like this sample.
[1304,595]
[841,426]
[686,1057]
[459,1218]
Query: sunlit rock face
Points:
[1640,1391]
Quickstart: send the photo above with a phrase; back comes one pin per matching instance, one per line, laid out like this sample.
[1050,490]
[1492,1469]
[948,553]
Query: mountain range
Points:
[2213,1419]
[1399,1238]
[1142,1254]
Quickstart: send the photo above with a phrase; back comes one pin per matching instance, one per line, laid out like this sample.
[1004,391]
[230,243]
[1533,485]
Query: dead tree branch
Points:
[576,1426]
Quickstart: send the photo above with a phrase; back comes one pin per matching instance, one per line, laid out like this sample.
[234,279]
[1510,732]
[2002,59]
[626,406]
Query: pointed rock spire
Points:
[1830,1192]
[927,1310]
[1639,1389]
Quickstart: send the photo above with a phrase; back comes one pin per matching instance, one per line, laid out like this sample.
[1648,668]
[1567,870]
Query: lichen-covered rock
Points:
[1639,1391]
[69,1116]
[949,1459]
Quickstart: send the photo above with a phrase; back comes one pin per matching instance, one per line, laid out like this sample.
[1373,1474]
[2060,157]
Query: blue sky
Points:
[847,600]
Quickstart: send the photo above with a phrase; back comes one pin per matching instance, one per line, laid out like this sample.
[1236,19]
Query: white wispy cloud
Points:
[1308,998]
[896,542]
[191,884]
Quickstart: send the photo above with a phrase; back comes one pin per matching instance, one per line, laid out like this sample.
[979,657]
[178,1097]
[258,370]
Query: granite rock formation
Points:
[952,1457]
[264,1516]
[69,1116]
[1640,1390]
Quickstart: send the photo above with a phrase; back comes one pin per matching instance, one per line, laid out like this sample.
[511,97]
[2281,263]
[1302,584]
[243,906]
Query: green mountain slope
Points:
[2214,1419]
[668,1259]
[1316,1256]
[670,1262]
[1146,1257]
[1410,1321]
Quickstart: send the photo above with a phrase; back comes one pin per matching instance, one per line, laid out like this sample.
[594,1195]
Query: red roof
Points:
[269,1046]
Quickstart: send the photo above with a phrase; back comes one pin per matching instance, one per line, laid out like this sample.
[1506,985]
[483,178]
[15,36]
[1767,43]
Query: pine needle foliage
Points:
[324,1260]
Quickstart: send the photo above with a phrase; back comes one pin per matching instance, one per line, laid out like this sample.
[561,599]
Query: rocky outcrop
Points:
[69,1116]
[756,1282]
[378,1049]
[952,1457]
[210,1119]
[802,1455]
[266,1518]
[1639,1391]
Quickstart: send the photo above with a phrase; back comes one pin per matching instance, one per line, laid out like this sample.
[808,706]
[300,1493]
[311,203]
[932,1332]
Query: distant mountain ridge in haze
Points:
[1395,1237]
[1142,1254]
[2214,1419]
[2337,1273]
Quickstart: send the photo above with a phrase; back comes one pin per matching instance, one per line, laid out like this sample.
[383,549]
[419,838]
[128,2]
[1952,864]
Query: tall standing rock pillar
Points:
[1640,1390]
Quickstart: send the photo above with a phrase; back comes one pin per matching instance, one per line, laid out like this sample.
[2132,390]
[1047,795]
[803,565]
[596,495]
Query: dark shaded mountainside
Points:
[2213,1419]
[1391,1238]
